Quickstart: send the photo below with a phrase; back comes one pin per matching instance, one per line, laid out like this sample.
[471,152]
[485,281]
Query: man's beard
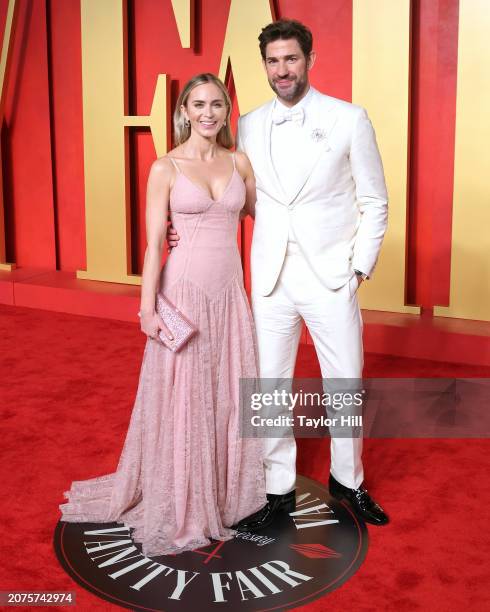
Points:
[295,92]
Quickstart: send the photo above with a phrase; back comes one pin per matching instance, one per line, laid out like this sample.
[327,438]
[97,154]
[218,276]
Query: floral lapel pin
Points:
[318,135]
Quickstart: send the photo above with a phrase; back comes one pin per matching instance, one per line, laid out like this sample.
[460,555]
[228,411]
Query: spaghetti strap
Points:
[233,158]
[174,163]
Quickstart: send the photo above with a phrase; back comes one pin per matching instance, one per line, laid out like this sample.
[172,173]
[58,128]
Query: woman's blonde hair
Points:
[183,131]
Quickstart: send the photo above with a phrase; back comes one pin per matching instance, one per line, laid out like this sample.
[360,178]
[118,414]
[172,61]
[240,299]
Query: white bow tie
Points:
[297,116]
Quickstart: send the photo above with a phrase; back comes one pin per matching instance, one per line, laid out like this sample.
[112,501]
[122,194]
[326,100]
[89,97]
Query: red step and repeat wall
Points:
[88,88]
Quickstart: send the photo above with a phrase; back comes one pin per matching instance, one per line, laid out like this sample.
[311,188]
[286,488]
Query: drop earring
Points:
[187,123]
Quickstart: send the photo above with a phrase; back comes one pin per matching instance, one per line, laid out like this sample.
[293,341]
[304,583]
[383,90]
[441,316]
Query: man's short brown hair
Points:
[285,29]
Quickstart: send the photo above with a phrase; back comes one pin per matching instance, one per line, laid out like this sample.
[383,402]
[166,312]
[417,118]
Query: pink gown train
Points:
[185,475]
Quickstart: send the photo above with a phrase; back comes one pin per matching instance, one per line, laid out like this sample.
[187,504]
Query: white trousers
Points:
[334,321]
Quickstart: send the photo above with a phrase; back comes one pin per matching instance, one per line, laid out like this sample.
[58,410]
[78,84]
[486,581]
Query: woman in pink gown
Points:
[185,475]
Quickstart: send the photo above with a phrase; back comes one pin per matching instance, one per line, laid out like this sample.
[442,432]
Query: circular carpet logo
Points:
[301,557]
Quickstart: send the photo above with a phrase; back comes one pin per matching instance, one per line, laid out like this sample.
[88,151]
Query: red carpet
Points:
[68,387]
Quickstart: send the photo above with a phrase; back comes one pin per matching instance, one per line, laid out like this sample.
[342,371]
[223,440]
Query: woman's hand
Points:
[172,237]
[246,172]
[152,323]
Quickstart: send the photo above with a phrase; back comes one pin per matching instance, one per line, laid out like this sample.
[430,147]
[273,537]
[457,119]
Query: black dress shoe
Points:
[264,517]
[362,504]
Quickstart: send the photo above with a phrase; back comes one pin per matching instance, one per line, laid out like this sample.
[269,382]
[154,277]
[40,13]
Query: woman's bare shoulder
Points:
[161,172]
[242,162]
[163,165]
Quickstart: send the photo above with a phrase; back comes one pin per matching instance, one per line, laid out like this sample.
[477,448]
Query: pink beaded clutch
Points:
[181,328]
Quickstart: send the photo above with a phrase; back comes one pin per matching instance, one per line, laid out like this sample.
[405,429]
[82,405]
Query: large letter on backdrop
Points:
[380,83]
[8,33]
[184,16]
[241,54]
[241,51]
[470,245]
[105,134]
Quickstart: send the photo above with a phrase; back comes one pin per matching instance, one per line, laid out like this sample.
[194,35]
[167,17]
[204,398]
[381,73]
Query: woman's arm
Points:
[157,195]
[246,172]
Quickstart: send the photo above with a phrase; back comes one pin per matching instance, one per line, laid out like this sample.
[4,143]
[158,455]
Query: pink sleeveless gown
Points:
[185,475]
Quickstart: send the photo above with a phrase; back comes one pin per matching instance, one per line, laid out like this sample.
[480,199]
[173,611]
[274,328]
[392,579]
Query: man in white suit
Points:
[320,218]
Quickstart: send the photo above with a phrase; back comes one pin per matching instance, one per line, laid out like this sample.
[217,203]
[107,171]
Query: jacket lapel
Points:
[270,170]
[320,122]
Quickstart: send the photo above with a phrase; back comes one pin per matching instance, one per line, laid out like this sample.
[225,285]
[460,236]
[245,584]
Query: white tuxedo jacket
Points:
[338,210]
